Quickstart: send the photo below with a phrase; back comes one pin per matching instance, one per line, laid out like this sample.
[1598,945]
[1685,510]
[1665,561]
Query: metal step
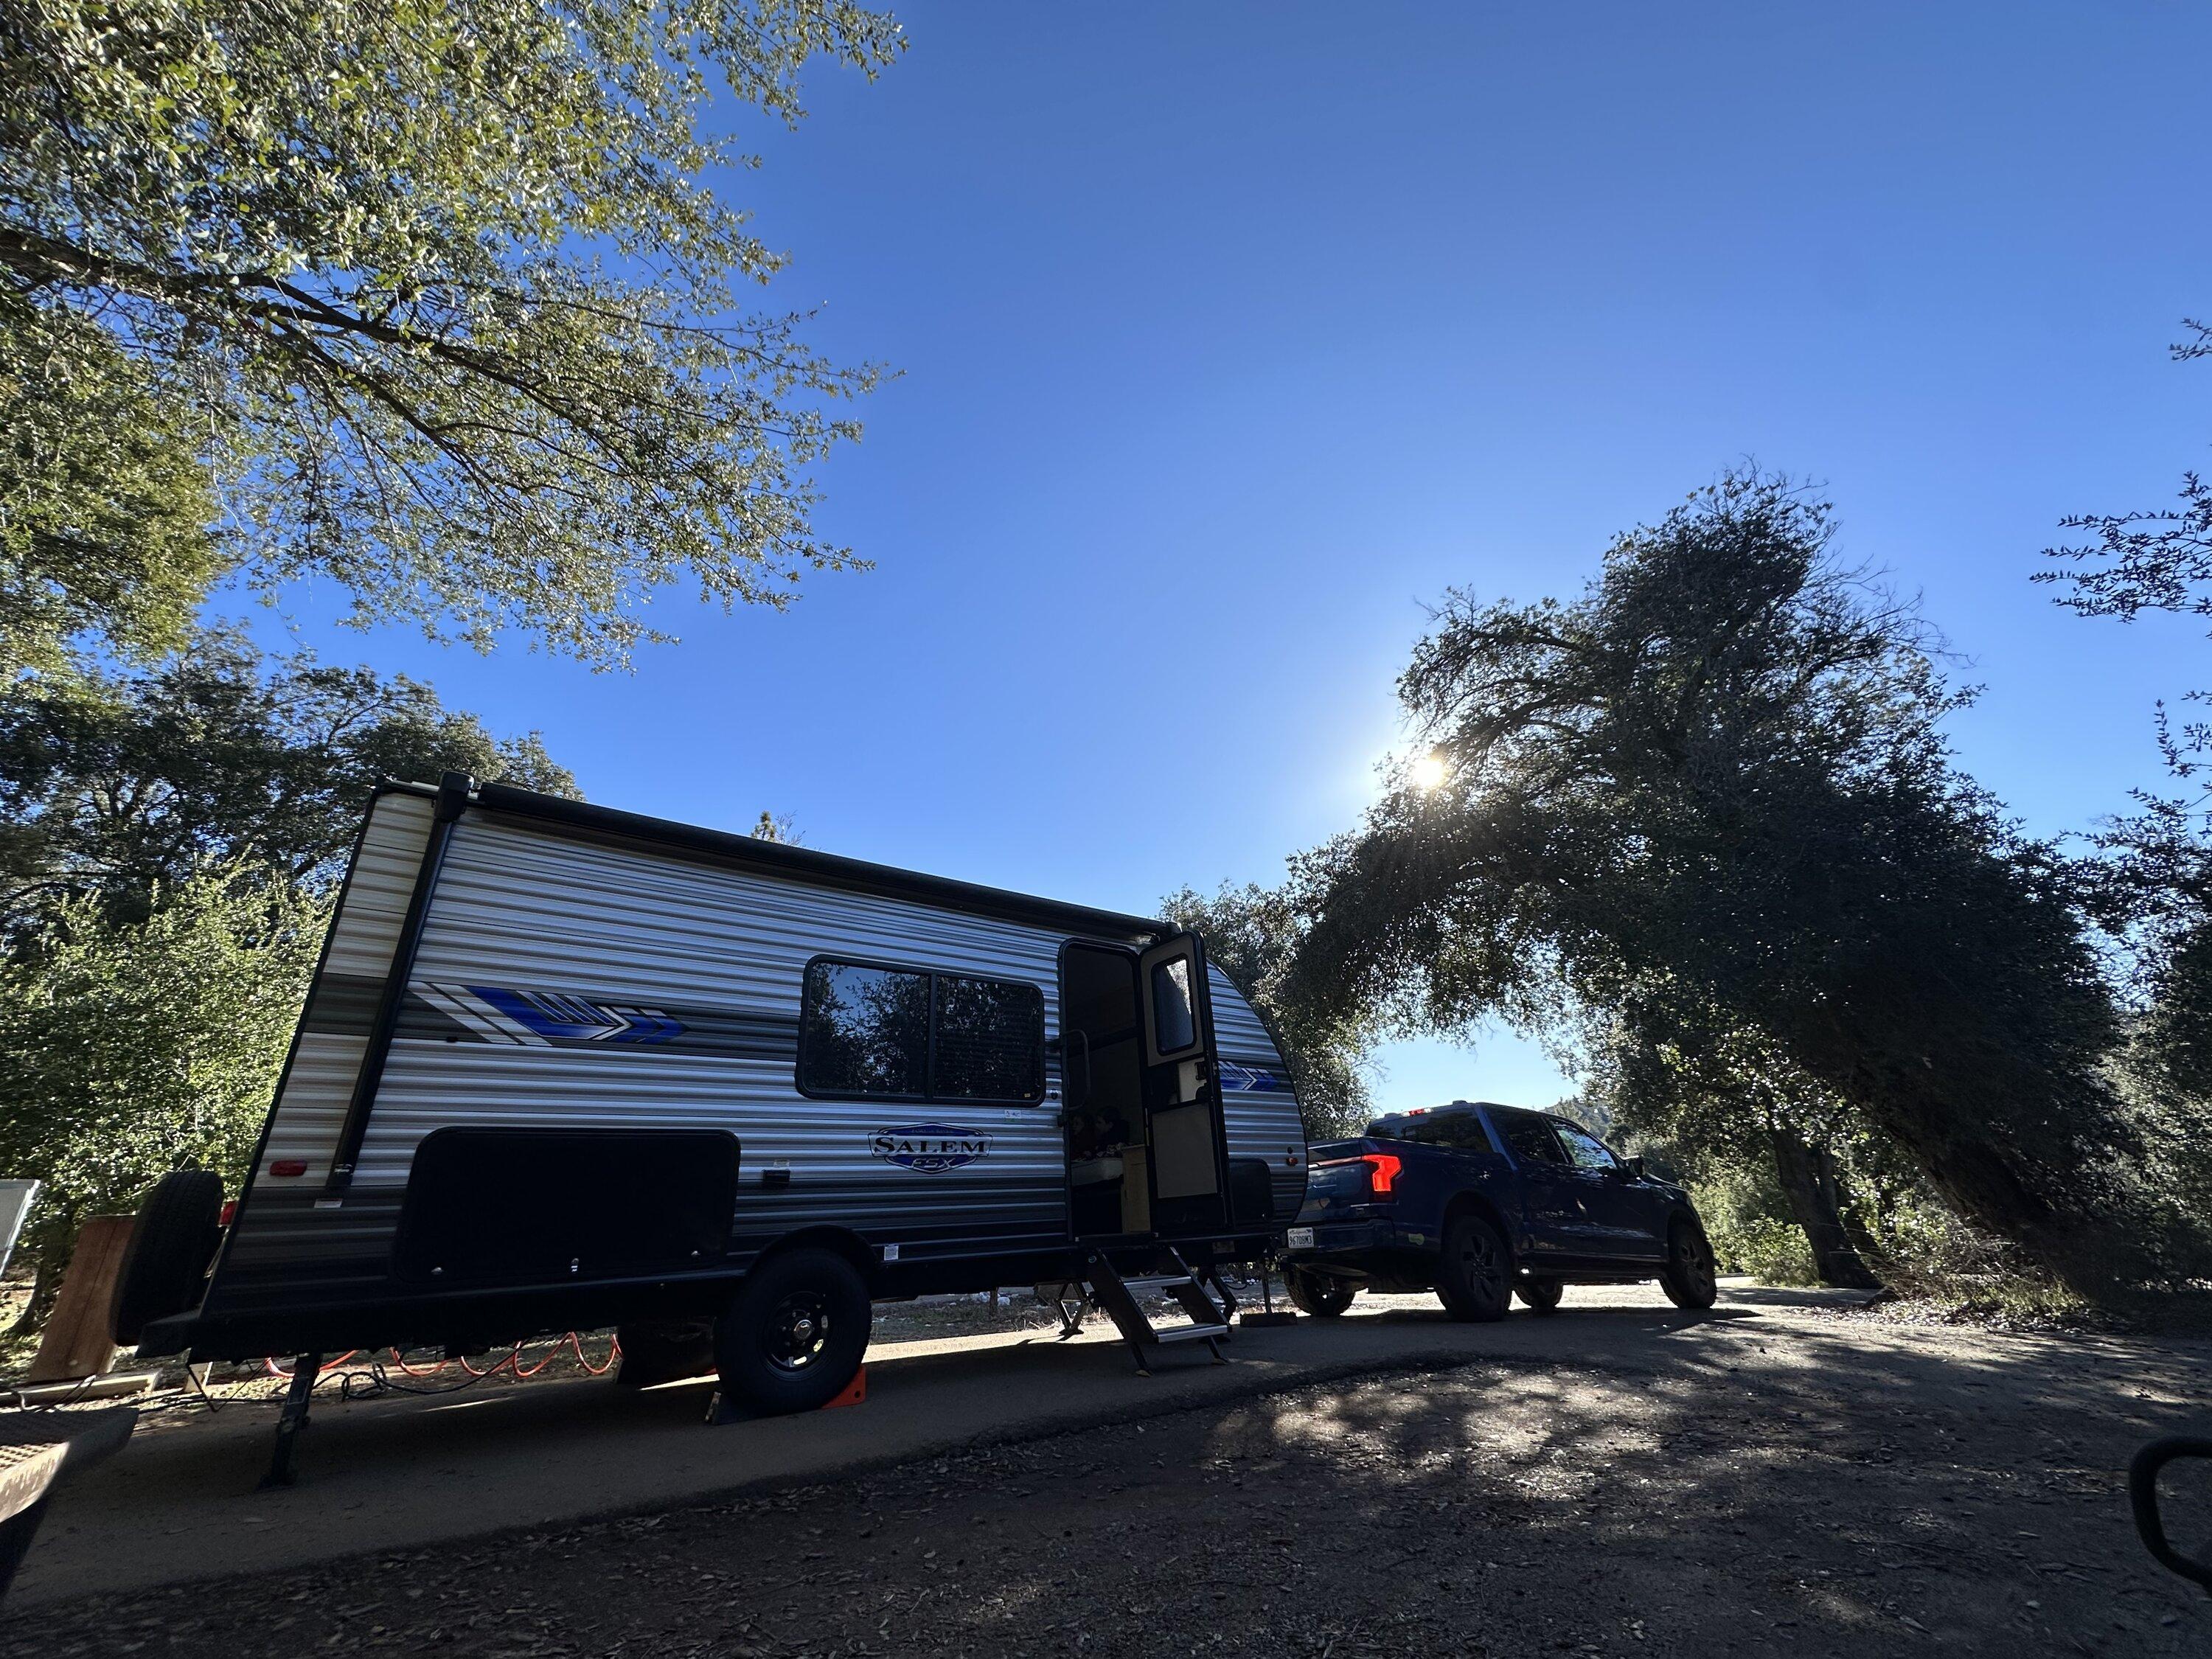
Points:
[1208,1321]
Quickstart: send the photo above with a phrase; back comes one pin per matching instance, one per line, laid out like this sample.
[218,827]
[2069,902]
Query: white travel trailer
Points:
[563,1067]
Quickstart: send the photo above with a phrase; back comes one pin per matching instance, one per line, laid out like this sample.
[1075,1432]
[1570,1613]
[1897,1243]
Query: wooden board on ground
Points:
[77,1341]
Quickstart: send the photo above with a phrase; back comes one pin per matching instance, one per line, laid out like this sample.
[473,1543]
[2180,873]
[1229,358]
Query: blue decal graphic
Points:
[554,1015]
[929,1148]
[1236,1079]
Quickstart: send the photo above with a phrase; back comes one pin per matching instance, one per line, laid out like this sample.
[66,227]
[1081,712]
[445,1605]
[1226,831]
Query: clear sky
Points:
[1231,334]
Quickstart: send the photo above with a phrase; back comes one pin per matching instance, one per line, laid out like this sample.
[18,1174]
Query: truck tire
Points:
[1687,1278]
[792,1338]
[166,1262]
[1323,1295]
[1473,1280]
[1541,1296]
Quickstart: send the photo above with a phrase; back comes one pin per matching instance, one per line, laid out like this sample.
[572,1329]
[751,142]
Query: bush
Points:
[1750,1227]
[1773,1252]
[130,1049]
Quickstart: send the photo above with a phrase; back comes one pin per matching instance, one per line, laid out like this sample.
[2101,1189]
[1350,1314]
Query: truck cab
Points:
[1480,1202]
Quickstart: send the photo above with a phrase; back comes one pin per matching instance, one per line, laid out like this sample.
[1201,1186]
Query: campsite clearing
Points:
[1620,1479]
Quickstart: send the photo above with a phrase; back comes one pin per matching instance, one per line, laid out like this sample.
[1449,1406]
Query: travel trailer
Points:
[566,1067]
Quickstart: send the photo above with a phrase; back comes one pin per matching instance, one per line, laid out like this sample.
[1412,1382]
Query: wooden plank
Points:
[78,1341]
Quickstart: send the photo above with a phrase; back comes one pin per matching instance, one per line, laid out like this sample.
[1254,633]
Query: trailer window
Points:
[863,1031]
[990,1039]
[1175,1024]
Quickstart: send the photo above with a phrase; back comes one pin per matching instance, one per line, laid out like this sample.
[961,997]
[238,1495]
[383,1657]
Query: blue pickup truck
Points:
[1480,1203]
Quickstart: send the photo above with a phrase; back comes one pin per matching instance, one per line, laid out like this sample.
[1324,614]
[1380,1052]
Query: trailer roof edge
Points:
[803,862]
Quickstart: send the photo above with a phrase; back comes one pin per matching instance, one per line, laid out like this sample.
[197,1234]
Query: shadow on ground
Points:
[1753,1481]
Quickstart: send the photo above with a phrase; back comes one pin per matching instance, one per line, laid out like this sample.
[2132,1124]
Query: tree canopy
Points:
[115,784]
[442,298]
[2147,559]
[1709,801]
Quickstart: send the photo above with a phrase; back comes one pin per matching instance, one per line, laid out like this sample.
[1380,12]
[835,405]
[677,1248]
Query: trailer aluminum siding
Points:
[624,928]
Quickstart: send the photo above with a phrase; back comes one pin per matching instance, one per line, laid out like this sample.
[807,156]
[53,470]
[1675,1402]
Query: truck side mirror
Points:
[1636,1169]
[2150,1522]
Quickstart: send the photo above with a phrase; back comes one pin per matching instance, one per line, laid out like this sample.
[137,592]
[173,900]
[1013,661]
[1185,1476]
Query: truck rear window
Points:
[1462,1130]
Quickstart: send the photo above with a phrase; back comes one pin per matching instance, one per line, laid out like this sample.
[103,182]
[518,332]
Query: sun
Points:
[1430,771]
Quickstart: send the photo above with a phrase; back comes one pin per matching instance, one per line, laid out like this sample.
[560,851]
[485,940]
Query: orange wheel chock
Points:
[855,1391]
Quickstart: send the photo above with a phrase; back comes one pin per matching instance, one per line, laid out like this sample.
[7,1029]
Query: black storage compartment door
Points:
[551,1206]
[1251,1190]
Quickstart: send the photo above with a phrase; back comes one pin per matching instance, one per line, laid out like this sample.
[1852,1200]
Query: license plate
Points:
[1301,1238]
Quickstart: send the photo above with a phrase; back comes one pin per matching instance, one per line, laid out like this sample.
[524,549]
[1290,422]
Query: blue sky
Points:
[1231,334]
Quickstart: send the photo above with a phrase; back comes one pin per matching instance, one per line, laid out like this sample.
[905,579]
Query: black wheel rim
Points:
[1480,1270]
[798,1331]
[1695,1262]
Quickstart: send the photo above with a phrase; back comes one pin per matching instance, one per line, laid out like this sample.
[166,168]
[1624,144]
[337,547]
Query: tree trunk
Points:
[1808,1181]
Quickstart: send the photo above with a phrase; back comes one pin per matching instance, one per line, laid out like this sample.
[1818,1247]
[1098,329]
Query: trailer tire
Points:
[792,1338]
[1473,1281]
[1322,1295]
[174,1238]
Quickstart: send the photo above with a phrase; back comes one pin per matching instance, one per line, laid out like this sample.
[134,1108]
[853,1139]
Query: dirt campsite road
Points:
[1772,1479]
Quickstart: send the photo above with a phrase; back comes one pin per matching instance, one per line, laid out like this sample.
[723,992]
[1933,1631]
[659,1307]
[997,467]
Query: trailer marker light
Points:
[1382,1170]
[288,1166]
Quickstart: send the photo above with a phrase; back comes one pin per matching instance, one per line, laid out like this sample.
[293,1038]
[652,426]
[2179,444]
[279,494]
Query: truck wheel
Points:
[1687,1278]
[172,1242]
[1541,1295]
[1323,1295]
[793,1336]
[1471,1279]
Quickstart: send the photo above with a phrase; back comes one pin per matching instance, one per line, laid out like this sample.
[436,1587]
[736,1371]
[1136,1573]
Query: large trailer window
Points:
[863,1031]
[990,1039]
[910,1034]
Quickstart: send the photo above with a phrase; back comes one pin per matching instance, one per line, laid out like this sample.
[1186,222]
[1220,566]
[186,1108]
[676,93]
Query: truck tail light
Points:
[1382,1170]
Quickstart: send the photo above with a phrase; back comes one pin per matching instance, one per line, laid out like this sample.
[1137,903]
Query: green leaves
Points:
[438,292]
[1703,822]
[130,1049]
[105,499]
[113,785]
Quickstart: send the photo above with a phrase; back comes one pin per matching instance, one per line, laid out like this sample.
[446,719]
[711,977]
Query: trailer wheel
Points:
[793,1336]
[1322,1295]
[172,1242]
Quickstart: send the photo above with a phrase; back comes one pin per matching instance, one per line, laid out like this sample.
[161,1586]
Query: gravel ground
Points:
[1818,1484]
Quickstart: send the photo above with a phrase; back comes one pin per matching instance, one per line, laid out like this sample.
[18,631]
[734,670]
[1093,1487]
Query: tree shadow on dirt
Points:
[1724,1484]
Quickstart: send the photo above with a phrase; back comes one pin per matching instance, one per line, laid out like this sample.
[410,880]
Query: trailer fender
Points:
[841,1241]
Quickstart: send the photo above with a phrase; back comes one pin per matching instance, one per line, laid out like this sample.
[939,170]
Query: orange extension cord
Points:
[513,1359]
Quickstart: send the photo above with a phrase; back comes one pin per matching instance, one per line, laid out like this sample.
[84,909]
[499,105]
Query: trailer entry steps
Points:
[1209,1319]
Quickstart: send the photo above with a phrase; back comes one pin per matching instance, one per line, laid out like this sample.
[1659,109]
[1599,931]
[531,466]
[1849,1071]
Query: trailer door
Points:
[1182,1090]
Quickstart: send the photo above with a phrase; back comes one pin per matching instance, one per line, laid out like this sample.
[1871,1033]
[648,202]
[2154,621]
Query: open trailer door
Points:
[1182,1090]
